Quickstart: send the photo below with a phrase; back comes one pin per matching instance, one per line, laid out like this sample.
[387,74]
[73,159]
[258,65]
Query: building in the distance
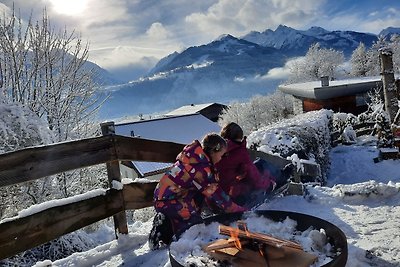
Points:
[348,96]
[211,111]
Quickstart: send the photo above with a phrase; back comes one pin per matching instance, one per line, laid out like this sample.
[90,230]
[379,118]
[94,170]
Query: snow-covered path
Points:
[361,198]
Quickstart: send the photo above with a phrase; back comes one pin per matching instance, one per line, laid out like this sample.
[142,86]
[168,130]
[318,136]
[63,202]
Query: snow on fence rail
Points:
[22,233]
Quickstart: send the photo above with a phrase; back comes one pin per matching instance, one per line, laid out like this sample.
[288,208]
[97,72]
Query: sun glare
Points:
[70,7]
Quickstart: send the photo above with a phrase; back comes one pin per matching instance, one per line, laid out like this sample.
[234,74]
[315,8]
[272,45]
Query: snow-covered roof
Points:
[189,109]
[335,88]
[177,129]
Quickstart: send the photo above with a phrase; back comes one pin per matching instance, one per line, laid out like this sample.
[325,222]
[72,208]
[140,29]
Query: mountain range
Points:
[225,70]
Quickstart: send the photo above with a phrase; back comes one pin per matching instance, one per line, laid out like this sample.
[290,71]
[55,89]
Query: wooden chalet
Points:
[211,111]
[348,96]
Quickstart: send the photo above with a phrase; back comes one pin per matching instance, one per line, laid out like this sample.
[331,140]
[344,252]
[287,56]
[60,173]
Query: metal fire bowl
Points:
[335,236]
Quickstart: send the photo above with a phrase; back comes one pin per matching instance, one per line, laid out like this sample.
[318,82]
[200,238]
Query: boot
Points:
[161,234]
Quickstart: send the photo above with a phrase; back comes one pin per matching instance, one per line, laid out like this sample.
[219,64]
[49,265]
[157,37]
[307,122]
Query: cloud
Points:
[282,73]
[126,62]
[238,18]
[277,73]
[157,31]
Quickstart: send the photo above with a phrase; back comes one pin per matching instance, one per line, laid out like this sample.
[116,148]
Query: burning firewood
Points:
[245,248]
[269,240]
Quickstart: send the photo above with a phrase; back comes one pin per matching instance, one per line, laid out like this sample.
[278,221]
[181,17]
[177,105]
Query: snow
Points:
[361,198]
[56,202]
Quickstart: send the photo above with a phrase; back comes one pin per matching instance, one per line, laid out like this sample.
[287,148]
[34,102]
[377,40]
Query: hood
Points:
[193,154]
[232,145]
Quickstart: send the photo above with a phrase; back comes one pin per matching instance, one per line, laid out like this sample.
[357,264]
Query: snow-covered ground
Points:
[361,198]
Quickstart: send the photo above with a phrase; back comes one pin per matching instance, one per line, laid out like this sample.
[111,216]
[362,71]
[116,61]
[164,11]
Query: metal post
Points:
[114,174]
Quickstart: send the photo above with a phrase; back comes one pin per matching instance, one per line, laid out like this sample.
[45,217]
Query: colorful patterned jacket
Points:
[180,186]
[238,174]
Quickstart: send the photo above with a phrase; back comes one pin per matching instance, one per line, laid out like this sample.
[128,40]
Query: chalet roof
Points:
[337,88]
[179,129]
[189,109]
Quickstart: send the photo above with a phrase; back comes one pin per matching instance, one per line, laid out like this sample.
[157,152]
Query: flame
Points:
[235,238]
[260,249]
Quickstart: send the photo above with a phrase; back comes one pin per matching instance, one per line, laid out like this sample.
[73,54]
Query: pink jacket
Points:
[237,173]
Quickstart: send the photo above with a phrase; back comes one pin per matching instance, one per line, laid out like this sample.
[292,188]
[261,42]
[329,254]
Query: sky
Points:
[129,37]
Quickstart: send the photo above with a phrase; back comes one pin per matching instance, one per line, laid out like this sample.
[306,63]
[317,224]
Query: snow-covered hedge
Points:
[21,128]
[307,135]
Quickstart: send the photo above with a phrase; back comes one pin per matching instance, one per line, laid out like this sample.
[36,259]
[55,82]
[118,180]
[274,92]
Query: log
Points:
[269,240]
[221,244]
[270,256]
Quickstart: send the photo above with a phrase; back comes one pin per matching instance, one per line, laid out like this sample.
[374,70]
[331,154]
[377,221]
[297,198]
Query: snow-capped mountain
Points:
[224,70]
[388,32]
[295,42]
[236,56]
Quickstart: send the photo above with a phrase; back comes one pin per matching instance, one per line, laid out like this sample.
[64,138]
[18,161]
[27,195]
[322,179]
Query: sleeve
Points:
[260,180]
[207,184]
[217,196]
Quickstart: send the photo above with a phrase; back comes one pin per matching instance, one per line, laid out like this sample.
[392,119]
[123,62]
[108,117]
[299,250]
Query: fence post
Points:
[389,86]
[114,174]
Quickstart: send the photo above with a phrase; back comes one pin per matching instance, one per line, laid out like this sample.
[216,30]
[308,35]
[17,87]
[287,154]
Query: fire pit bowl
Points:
[335,236]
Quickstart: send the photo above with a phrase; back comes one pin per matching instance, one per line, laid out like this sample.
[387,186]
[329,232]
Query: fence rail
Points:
[20,234]
[37,162]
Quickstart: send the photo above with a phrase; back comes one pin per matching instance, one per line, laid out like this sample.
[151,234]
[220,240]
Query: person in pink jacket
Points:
[239,176]
[190,182]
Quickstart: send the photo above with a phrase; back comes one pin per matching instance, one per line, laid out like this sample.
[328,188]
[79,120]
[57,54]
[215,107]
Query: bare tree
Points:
[45,70]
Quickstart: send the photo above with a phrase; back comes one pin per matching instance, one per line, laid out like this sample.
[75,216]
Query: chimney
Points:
[324,81]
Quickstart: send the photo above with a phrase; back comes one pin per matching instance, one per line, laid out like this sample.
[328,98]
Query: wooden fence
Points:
[20,234]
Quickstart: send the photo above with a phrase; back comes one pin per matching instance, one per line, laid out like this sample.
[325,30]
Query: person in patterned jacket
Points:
[180,193]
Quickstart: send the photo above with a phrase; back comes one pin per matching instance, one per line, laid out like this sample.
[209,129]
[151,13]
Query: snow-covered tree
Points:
[316,63]
[359,61]
[259,111]
[20,128]
[365,62]
[395,47]
[45,71]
